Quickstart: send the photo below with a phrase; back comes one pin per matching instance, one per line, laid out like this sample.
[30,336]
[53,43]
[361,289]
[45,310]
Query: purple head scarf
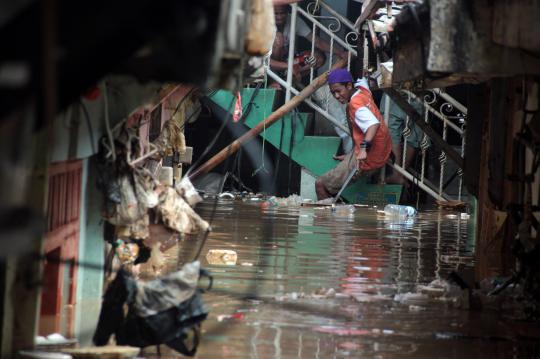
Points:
[339,76]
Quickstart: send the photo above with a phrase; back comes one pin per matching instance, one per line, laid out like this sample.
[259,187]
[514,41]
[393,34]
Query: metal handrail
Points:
[451,100]
[340,17]
[450,103]
[311,104]
[327,31]
[436,113]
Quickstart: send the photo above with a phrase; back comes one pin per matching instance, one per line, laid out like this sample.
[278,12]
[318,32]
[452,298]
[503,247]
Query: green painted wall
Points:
[312,152]
[91,250]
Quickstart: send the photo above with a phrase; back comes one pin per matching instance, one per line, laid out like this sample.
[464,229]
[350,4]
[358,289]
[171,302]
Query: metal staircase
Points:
[314,153]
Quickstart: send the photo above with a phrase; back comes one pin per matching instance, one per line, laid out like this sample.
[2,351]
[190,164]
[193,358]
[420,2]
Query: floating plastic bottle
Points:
[399,212]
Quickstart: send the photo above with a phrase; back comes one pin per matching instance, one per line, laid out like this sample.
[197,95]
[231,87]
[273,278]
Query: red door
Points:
[61,242]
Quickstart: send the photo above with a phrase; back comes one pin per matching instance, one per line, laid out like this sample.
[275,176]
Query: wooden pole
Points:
[269,121]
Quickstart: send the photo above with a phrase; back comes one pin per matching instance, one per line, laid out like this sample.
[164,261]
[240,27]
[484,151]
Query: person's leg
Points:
[396,177]
[321,190]
[331,182]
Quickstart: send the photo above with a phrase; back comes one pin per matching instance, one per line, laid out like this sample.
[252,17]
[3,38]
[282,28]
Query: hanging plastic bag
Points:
[188,192]
[128,209]
[178,215]
[137,230]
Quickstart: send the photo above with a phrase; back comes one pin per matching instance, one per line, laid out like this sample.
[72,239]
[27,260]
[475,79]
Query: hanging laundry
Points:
[162,311]
[237,114]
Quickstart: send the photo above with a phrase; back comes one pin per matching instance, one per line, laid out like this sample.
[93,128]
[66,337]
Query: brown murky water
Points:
[263,306]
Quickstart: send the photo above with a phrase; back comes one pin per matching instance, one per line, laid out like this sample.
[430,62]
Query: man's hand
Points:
[361,157]
[311,61]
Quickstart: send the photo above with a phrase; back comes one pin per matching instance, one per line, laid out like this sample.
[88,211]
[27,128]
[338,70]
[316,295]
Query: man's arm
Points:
[370,133]
[276,65]
[368,124]
[325,46]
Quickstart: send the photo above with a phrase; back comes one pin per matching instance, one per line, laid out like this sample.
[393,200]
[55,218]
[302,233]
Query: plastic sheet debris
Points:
[157,259]
[123,207]
[166,176]
[235,316]
[221,256]
[226,195]
[345,331]
[396,211]
[56,338]
[171,137]
[343,210]
[322,293]
[293,200]
[370,298]
[441,288]
[188,192]
[146,189]
[178,215]
[411,298]
[138,230]
[290,296]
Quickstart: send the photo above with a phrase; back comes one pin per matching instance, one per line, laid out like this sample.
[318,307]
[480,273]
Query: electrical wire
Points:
[214,209]
[262,167]
[213,142]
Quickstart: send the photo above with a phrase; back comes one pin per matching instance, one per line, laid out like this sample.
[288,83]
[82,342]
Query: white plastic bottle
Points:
[399,212]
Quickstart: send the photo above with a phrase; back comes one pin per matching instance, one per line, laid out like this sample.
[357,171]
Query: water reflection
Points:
[271,307]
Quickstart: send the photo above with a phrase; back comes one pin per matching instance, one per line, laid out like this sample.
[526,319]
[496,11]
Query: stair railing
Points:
[450,109]
[322,107]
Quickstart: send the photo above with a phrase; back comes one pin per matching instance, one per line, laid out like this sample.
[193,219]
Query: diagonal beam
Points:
[419,121]
[267,122]
[369,8]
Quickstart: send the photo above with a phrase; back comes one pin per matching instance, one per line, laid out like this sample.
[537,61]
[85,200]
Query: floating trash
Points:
[221,256]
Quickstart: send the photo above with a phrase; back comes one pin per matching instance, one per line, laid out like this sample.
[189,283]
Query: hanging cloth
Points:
[237,114]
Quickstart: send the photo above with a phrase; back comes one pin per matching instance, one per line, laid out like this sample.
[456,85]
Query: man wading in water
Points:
[372,143]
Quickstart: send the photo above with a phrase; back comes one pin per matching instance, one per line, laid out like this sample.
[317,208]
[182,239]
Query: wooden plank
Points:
[419,121]
[368,9]
[267,122]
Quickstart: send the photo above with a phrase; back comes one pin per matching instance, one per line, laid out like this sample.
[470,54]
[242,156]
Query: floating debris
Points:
[235,316]
[227,195]
[221,256]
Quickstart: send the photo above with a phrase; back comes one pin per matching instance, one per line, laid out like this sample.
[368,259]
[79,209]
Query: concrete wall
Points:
[77,131]
[73,127]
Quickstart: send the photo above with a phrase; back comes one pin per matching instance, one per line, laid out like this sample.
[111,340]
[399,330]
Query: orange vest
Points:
[381,144]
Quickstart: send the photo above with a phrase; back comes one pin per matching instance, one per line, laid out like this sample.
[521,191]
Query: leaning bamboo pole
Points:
[269,121]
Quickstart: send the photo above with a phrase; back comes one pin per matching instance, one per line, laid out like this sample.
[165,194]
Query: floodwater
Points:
[271,304]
